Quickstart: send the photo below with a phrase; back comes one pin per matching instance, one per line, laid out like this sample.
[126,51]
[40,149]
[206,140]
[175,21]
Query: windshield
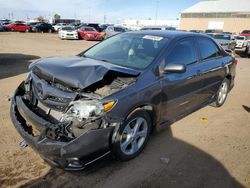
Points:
[239,38]
[223,37]
[128,50]
[68,29]
[89,29]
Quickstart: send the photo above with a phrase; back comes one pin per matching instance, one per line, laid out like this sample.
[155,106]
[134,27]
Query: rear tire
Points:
[132,136]
[221,94]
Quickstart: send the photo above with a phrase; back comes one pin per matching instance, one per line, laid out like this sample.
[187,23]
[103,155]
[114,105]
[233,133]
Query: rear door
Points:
[213,65]
[181,92]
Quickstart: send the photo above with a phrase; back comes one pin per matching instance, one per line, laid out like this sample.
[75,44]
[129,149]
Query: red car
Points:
[89,33]
[246,33]
[17,27]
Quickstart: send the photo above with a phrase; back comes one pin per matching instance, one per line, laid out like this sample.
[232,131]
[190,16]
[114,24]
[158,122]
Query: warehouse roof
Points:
[220,6]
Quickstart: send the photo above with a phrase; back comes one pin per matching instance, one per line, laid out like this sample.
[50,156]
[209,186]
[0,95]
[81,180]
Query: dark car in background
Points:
[213,31]
[227,41]
[197,31]
[110,97]
[42,27]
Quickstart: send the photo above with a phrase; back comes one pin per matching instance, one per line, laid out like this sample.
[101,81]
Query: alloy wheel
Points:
[134,136]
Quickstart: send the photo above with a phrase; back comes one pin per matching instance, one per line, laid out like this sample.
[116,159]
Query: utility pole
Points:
[104,19]
[156,11]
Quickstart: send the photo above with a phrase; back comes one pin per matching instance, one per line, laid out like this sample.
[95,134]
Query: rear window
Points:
[246,32]
[208,49]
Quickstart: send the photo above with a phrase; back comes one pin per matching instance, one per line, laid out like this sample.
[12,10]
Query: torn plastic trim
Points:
[56,152]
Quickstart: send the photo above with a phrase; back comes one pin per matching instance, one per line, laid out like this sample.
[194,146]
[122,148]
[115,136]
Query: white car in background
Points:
[59,26]
[68,32]
[241,44]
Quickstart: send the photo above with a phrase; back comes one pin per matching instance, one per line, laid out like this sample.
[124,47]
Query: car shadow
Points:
[165,162]
[12,64]
[246,108]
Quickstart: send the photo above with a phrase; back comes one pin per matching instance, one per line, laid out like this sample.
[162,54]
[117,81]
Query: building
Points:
[227,15]
[137,24]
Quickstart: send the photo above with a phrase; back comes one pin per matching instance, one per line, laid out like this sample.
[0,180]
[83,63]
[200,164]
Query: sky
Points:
[94,10]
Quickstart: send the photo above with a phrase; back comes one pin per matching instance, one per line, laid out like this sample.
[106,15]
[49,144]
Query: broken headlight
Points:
[80,110]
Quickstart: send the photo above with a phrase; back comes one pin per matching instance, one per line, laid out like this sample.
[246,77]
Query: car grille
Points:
[51,95]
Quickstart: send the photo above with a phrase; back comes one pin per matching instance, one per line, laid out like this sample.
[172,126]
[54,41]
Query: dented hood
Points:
[76,71]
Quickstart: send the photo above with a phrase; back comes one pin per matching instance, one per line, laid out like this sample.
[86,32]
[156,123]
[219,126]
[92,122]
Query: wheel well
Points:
[152,113]
[229,77]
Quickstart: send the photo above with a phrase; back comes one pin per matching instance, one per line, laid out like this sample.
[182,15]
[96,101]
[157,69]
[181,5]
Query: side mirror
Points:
[174,68]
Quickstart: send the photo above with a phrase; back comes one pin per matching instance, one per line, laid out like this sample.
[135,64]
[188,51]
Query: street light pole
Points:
[156,11]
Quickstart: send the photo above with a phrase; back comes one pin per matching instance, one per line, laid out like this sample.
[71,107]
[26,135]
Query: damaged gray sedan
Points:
[74,110]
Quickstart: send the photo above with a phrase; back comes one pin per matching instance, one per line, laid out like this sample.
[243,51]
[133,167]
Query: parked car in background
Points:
[197,31]
[17,27]
[58,26]
[158,28]
[75,25]
[213,31]
[103,27]
[80,25]
[227,41]
[89,33]
[114,30]
[1,27]
[112,96]
[95,25]
[246,33]
[43,27]
[68,32]
[241,44]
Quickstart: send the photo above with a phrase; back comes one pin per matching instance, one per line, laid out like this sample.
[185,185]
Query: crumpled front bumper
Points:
[72,155]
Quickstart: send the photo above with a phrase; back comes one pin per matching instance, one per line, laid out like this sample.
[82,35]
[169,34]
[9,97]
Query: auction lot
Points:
[209,148]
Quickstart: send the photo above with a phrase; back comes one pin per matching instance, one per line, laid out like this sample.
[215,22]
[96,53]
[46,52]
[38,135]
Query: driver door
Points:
[181,92]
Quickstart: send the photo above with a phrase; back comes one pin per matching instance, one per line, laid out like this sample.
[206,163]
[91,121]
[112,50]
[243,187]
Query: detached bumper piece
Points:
[69,155]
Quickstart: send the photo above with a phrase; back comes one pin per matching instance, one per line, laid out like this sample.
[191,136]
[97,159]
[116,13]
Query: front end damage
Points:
[68,127]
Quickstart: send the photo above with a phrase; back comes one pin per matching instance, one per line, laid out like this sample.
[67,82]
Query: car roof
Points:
[169,34]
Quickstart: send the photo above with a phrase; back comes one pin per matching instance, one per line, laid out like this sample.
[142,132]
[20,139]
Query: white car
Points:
[68,33]
[59,26]
[241,44]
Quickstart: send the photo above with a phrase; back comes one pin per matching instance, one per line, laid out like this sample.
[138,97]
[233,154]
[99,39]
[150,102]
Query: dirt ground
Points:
[196,153]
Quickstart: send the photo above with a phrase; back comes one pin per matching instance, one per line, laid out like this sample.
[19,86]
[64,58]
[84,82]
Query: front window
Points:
[128,50]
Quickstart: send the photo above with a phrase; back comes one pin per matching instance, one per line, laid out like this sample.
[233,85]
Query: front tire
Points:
[132,136]
[222,93]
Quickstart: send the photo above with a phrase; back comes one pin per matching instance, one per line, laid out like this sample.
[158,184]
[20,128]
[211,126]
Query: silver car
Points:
[114,30]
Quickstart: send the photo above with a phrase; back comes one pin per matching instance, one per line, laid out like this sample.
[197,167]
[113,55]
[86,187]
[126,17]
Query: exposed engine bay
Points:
[72,111]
